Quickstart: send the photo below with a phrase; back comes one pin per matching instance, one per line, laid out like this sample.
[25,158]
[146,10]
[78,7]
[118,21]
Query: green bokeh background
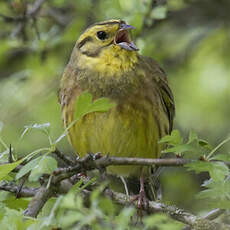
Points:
[189,38]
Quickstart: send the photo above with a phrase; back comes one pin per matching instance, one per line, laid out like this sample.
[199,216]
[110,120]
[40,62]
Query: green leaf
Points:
[101,105]
[107,206]
[124,217]
[204,144]
[159,12]
[162,221]
[173,139]
[194,148]
[84,105]
[47,221]
[46,165]
[13,220]
[18,204]
[94,196]
[1,126]
[5,169]
[2,142]
[217,170]
[4,156]
[28,167]
[192,137]
[222,157]
[218,146]
[217,192]
[181,149]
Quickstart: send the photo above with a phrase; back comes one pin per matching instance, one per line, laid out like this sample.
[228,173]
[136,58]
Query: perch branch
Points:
[91,162]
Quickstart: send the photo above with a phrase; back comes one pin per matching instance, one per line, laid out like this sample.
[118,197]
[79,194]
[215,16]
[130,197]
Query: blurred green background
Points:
[189,38]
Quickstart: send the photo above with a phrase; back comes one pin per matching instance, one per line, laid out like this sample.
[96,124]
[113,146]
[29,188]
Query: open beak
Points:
[123,39]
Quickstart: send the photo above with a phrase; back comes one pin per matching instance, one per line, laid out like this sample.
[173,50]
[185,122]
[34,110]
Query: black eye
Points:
[102,35]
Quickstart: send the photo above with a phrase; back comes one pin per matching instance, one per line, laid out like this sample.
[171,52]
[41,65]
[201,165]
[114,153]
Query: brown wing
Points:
[69,90]
[168,102]
[69,87]
[165,92]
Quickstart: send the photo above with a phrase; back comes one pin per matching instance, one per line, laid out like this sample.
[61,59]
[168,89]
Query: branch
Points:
[35,8]
[10,19]
[176,213]
[43,194]
[21,192]
[106,161]
[214,214]
[63,157]
[90,162]
[39,200]
[29,14]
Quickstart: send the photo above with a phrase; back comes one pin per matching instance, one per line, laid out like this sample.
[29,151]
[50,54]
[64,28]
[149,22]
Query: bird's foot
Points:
[142,201]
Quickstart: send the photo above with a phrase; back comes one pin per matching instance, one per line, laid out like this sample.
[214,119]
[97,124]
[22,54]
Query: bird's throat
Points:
[111,62]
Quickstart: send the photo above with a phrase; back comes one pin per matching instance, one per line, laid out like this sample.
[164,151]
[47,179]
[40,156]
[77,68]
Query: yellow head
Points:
[106,47]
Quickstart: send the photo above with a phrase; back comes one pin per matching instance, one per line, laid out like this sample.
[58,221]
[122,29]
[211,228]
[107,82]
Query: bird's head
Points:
[111,35]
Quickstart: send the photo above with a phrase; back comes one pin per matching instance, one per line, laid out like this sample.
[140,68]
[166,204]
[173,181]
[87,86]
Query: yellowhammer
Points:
[105,63]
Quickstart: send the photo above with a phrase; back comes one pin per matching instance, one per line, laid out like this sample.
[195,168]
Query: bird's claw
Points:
[142,201]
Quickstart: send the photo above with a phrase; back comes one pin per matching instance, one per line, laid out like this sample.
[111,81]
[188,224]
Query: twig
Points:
[30,13]
[10,157]
[214,214]
[106,161]
[57,17]
[10,19]
[64,157]
[35,25]
[13,188]
[88,163]
[35,8]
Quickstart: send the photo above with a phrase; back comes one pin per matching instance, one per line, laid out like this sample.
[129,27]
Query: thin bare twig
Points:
[214,214]
[10,156]
[35,8]
[63,157]
[13,188]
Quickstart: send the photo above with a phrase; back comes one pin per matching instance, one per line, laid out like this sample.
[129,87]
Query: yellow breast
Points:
[125,131]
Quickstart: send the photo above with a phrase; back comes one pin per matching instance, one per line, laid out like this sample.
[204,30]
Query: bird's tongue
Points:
[128,46]
[123,38]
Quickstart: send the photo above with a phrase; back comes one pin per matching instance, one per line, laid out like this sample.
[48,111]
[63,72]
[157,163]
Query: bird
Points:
[105,62]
